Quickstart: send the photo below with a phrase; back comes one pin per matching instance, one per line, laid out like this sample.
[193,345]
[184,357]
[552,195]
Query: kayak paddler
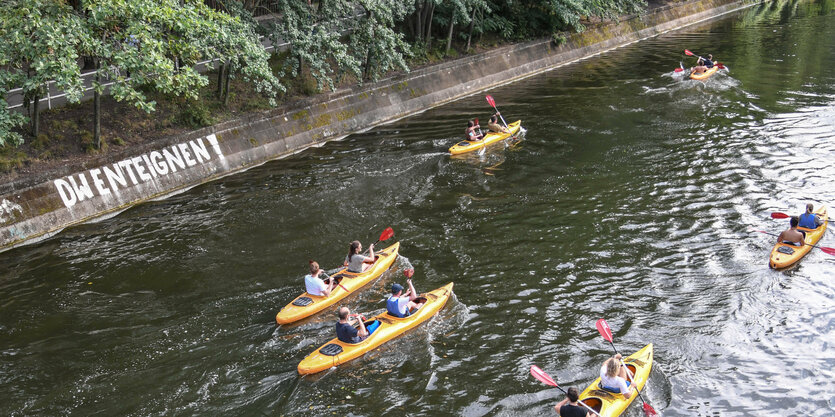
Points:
[570,406]
[402,305]
[494,126]
[708,62]
[809,219]
[345,331]
[471,131]
[613,376]
[792,236]
[700,67]
[357,263]
[315,285]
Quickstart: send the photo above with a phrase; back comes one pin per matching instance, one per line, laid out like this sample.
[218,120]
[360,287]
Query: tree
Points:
[154,44]
[374,40]
[315,36]
[39,43]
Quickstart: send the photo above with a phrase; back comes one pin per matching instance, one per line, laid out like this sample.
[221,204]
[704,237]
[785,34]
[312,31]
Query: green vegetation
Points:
[145,52]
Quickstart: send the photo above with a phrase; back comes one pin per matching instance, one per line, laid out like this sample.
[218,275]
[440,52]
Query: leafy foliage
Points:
[39,42]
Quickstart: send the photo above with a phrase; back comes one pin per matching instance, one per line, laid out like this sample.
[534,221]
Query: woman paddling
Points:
[357,263]
[613,376]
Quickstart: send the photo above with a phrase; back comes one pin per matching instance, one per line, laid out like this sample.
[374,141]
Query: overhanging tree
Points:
[39,43]
[155,44]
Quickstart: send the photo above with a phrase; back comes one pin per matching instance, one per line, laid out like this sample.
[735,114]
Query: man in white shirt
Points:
[315,285]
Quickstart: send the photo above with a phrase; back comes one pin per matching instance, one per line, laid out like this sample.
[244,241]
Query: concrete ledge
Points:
[35,208]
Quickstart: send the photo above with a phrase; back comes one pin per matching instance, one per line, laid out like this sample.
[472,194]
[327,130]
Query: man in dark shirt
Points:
[346,332]
[570,407]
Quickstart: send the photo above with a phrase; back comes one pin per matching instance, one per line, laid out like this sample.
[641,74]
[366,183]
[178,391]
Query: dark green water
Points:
[631,197]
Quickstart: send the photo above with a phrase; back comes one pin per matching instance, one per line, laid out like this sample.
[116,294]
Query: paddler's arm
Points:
[559,405]
[363,332]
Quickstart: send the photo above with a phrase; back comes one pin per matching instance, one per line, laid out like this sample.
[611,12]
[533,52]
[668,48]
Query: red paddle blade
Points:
[778,215]
[688,53]
[830,251]
[389,232]
[476,121]
[648,410]
[409,272]
[678,69]
[542,376]
[720,65]
[604,330]
[490,101]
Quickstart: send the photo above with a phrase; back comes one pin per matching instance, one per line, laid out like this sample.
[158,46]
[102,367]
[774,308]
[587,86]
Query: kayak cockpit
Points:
[595,403]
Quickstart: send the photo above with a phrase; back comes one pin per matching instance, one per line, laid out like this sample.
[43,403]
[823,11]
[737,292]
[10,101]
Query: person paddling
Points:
[471,133]
[708,62]
[809,219]
[792,236]
[315,285]
[494,126]
[570,406]
[402,305]
[346,332]
[613,377]
[357,263]
[700,67]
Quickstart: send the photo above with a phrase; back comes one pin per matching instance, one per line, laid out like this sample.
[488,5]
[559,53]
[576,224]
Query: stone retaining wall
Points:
[34,208]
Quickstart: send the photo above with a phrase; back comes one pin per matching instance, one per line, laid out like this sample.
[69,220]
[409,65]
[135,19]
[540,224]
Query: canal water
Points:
[634,196]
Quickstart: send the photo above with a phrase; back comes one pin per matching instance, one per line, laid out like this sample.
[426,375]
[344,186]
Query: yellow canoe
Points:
[336,352]
[784,255]
[705,75]
[473,145]
[306,305]
[609,404]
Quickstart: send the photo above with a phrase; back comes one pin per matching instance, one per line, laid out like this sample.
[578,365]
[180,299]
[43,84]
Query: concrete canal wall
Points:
[33,208]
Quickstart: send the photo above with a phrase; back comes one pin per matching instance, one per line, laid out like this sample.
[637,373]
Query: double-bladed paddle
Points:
[545,378]
[718,64]
[825,249]
[606,332]
[492,102]
[778,215]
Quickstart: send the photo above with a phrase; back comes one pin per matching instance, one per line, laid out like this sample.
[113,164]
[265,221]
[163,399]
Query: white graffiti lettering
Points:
[129,172]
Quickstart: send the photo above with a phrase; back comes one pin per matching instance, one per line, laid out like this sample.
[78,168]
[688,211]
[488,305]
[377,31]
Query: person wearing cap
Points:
[346,332]
[315,285]
[399,304]
[570,406]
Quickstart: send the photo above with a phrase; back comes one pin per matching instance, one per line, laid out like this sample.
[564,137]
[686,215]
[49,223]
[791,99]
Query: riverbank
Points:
[44,202]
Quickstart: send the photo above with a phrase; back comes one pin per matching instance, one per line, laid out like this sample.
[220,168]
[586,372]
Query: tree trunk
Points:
[429,26]
[449,32]
[220,69]
[36,116]
[97,109]
[226,92]
[420,17]
[470,29]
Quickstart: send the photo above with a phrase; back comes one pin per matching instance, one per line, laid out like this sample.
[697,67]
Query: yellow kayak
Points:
[609,404]
[784,255]
[386,327]
[473,145]
[705,75]
[307,305]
